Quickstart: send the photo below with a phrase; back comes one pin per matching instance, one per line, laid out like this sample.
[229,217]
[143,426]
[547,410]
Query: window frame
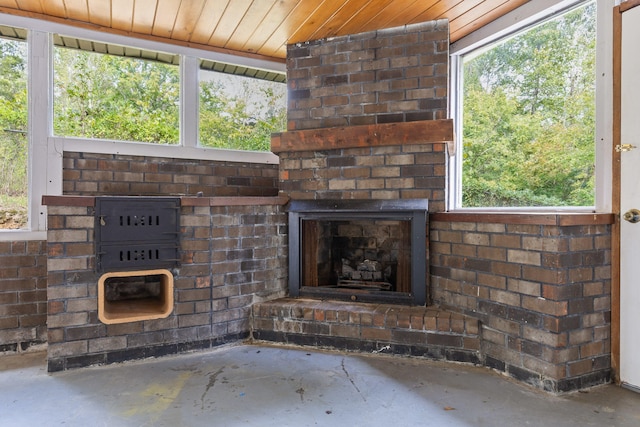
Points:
[528,15]
[45,162]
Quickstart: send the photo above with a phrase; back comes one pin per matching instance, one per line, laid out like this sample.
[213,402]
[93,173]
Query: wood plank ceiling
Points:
[259,28]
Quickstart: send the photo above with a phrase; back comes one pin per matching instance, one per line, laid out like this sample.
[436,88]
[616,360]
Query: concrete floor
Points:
[250,385]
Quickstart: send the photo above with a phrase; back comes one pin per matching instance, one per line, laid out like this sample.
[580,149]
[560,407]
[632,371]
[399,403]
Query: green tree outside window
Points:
[529,117]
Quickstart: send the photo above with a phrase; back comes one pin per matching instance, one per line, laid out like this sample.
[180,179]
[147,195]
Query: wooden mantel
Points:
[403,133]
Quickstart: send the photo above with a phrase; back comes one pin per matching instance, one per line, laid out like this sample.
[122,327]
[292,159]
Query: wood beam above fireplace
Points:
[402,133]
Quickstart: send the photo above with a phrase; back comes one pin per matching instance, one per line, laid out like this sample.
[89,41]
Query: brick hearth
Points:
[417,331]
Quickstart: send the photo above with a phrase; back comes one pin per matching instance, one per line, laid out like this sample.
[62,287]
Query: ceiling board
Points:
[21,4]
[144,16]
[366,17]
[208,21]
[233,15]
[253,19]
[186,18]
[165,19]
[275,46]
[274,19]
[261,28]
[393,15]
[475,18]
[77,10]
[100,13]
[49,7]
[317,22]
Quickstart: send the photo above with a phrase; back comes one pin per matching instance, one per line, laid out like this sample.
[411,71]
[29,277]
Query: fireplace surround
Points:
[359,250]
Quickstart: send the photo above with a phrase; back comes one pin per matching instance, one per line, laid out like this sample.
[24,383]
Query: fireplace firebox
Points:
[359,250]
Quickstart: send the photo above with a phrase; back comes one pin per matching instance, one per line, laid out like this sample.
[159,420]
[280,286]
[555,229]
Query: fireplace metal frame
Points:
[414,210]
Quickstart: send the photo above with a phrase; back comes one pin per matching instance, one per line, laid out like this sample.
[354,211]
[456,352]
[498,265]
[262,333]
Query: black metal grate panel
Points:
[136,232]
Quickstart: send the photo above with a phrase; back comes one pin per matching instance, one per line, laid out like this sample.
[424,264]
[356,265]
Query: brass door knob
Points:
[632,215]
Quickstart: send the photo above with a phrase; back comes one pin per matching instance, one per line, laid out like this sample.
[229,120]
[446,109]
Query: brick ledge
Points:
[88,201]
[530,218]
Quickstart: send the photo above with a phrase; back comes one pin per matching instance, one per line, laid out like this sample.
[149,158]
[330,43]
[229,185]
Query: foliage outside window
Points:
[13,134]
[114,97]
[529,117]
[240,112]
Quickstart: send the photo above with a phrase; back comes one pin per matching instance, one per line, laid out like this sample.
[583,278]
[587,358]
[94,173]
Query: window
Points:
[106,91]
[14,140]
[528,116]
[99,92]
[238,112]
[113,92]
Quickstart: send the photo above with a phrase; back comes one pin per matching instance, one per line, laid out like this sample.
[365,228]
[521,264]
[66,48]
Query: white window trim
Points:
[46,150]
[525,16]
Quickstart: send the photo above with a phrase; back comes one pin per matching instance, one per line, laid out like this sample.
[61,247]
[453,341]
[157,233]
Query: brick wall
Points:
[114,174]
[23,294]
[390,172]
[232,256]
[394,75]
[378,77]
[542,292]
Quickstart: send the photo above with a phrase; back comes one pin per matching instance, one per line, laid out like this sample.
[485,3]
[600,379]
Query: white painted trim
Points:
[20,235]
[189,101]
[159,150]
[39,113]
[604,105]
[454,175]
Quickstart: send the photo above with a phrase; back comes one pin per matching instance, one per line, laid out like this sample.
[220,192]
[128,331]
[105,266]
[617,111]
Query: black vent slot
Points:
[135,233]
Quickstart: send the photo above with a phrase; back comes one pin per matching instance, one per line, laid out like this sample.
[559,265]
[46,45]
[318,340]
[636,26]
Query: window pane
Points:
[13,137]
[240,112]
[529,117]
[115,97]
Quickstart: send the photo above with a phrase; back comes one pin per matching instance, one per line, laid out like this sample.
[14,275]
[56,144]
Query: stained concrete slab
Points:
[255,385]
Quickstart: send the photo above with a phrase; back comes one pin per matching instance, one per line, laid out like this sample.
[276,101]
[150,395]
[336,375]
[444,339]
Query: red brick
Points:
[430,321]
[378,334]
[562,292]
[366,319]
[581,243]
[541,305]
[417,321]
[346,331]
[404,320]
[443,321]
[457,323]
[580,367]
[496,254]
[592,349]
[543,275]
[506,269]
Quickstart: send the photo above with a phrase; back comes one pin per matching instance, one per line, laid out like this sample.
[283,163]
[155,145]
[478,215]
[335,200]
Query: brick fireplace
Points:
[525,294]
[367,124]
[528,295]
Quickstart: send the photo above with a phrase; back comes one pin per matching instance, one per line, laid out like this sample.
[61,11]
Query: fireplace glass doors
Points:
[359,250]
